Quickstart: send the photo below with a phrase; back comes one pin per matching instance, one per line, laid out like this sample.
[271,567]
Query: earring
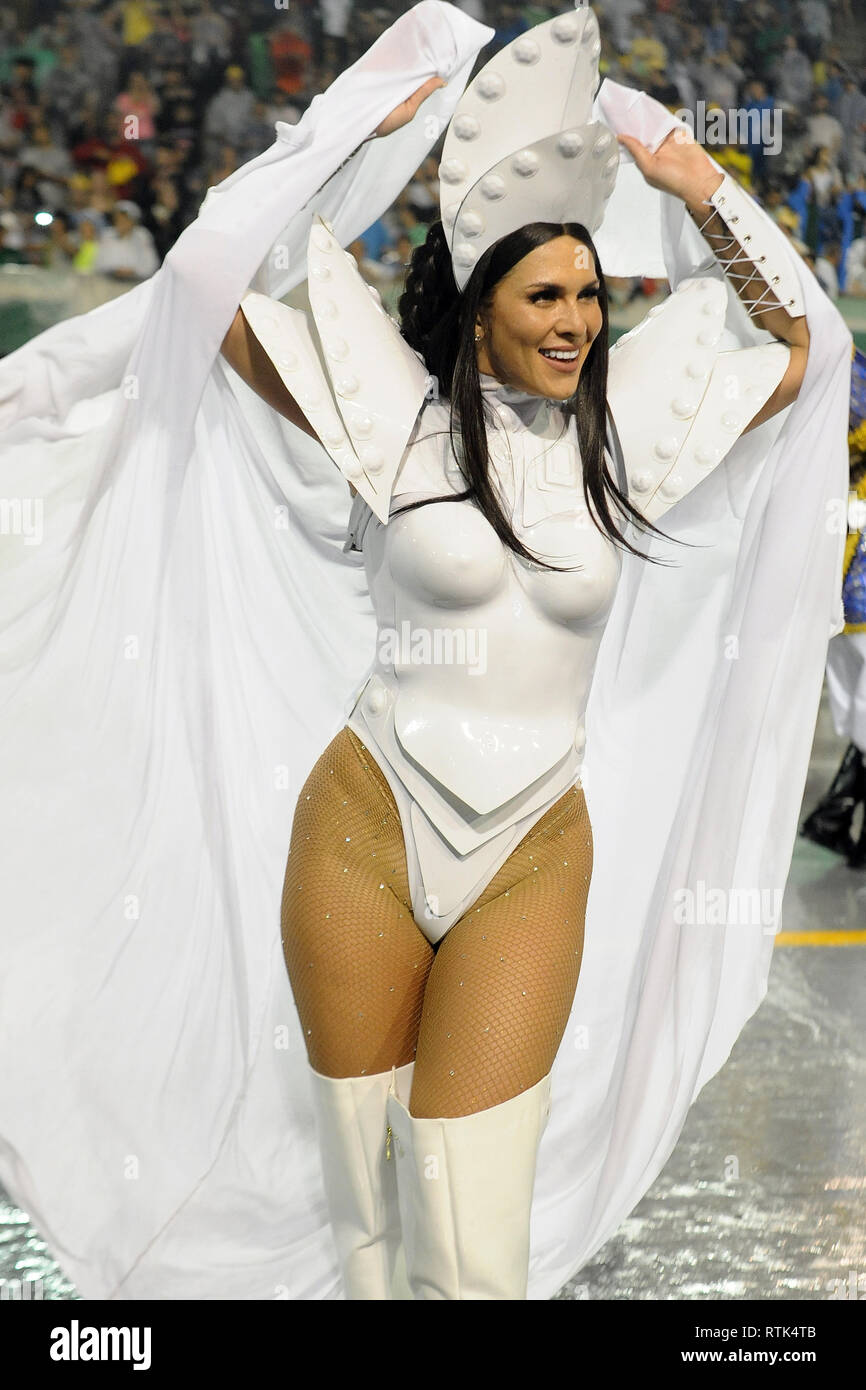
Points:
[478,337]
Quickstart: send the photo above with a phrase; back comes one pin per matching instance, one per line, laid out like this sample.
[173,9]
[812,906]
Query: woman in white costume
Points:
[181,1121]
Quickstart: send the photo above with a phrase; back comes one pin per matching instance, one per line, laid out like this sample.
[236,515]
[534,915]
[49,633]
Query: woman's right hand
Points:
[402,114]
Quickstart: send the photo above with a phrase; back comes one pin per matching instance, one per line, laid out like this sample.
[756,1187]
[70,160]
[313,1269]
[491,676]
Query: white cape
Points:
[180,633]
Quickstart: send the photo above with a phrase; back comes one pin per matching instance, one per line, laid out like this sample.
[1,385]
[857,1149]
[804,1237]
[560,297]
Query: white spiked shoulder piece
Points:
[364,401]
[678,401]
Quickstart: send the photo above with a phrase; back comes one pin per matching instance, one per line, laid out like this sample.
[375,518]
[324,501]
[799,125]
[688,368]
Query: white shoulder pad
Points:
[679,404]
[284,334]
[364,401]
[380,384]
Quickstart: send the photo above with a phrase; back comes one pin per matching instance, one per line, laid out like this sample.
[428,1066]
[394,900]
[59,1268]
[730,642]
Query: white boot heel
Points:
[465,1194]
[360,1184]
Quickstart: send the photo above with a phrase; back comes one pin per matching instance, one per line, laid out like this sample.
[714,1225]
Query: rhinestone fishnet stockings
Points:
[357,959]
[488,1006]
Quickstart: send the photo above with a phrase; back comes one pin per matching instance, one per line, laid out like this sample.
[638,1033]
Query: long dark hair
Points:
[439,322]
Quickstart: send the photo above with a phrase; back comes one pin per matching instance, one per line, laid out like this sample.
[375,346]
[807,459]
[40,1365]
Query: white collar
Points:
[523,403]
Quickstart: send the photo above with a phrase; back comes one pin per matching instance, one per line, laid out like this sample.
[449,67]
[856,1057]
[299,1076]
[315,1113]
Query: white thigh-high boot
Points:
[465,1191]
[360,1183]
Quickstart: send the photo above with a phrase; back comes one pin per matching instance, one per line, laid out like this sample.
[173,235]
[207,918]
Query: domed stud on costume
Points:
[362,427]
[449,214]
[642,482]
[334,436]
[709,337]
[698,369]
[337,348]
[289,360]
[466,127]
[453,170]
[347,385]
[666,448]
[471,224]
[322,239]
[684,407]
[493,187]
[732,422]
[376,697]
[526,51]
[372,458]
[352,469]
[673,486]
[328,309]
[490,86]
[525,163]
[464,254]
[321,272]
[602,144]
[570,143]
[565,29]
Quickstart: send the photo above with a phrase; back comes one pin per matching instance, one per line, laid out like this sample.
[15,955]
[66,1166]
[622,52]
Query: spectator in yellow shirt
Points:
[647,53]
[136,21]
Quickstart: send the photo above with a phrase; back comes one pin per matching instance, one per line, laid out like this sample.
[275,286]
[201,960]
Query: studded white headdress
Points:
[521,146]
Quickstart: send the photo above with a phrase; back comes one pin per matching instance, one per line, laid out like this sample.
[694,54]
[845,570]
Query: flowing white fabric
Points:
[178,648]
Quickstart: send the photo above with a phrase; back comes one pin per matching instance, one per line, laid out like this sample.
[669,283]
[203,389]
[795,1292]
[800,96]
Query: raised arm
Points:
[243,351]
[679,166]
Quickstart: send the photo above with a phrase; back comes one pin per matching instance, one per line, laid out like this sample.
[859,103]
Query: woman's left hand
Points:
[679,166]
[403,114]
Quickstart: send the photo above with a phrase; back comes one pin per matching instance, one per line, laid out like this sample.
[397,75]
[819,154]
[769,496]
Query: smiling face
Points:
[542,320]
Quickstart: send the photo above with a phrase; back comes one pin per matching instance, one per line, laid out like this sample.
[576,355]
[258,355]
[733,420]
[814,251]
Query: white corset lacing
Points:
[473,706]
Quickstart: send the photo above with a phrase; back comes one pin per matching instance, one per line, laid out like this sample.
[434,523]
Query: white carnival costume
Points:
[193,631]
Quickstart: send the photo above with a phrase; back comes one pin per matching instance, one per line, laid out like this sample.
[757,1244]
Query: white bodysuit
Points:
[473,707]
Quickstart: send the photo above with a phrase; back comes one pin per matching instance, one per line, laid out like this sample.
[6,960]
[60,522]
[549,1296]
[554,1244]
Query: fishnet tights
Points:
[487,1007]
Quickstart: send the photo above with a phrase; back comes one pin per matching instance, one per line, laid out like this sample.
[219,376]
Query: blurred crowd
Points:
[116,116]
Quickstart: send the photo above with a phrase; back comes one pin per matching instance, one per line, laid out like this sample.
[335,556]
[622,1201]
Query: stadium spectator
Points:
[65,88]
[793,75]
[89,227]
[823,129]
[126,250]
[139,105]
[52,161]
[229,112]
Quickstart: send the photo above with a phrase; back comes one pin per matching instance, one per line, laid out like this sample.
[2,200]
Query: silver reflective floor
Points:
[765,1194]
